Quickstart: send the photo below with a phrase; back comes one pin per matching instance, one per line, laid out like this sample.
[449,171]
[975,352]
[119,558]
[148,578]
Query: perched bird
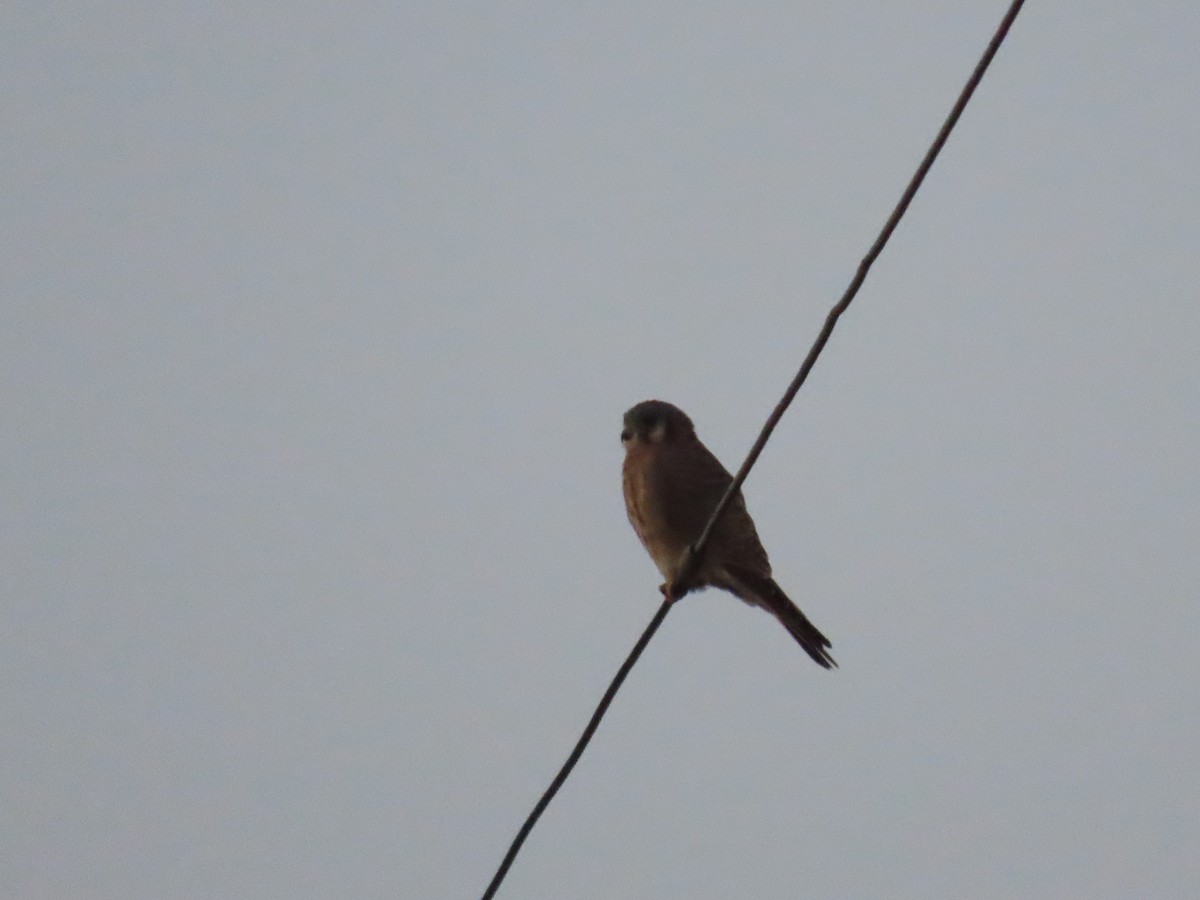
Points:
[672,484]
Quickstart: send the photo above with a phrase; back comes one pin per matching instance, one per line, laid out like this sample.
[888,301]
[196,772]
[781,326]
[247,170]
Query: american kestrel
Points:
[672,484]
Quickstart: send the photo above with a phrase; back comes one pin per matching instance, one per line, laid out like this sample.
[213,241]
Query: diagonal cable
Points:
[689,567]
[688,570]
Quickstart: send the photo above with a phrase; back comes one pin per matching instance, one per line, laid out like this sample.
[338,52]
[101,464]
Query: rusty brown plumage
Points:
[672,483]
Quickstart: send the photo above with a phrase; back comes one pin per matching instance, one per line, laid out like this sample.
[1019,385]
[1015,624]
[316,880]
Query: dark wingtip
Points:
[820,657]
[761,590]
[806,634]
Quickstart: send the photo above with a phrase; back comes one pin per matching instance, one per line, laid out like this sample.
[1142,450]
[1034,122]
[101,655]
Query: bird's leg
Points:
[684,581]
[673,590]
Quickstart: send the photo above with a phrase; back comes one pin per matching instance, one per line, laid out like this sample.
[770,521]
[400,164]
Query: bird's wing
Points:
[698,483]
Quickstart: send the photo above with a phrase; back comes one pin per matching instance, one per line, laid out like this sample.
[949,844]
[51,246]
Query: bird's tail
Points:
[762,591]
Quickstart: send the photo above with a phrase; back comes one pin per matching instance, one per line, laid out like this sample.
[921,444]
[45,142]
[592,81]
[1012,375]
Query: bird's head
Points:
[655,422]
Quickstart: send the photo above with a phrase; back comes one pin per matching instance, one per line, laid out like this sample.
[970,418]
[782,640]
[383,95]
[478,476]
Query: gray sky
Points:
[318,325]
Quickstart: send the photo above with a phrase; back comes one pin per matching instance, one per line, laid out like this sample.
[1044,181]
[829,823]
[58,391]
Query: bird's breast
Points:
[647,502]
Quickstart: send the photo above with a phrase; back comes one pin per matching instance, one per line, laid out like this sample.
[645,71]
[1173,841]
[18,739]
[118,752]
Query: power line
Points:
[691,564]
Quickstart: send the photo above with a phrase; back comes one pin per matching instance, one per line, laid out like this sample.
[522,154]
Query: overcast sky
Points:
[317,326]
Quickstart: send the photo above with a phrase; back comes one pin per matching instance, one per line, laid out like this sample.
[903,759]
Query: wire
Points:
[592,725]
[690,565]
